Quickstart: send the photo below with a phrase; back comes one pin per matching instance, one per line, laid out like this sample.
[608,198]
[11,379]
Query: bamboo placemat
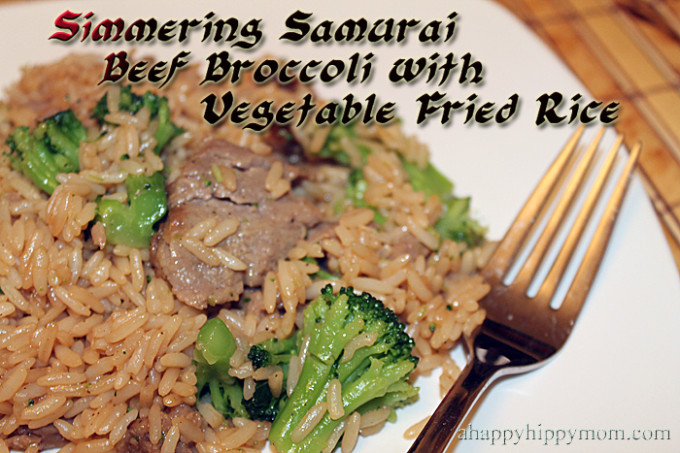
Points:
[628,51]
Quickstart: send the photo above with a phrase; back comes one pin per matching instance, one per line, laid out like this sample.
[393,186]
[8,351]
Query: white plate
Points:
[617,377]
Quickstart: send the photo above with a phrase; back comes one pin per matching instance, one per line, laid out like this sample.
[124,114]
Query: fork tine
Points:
[535,258]
[513,240]
[585,275]
[552,280]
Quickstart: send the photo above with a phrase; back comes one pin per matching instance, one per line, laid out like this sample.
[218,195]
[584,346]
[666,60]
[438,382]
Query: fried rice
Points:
[92,340]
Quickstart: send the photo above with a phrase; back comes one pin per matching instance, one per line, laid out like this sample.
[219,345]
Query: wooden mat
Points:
[629,51]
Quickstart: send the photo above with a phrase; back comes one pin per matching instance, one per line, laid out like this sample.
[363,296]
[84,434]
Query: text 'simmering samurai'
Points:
[434,68]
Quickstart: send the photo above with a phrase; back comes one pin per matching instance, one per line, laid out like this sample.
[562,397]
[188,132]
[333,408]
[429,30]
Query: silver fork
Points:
[520,333]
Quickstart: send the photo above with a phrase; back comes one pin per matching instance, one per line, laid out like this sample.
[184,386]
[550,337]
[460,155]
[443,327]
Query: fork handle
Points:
[447,419]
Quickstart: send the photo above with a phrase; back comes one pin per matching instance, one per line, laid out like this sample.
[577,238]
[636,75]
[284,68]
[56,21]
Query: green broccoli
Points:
[259,357]
[274,351]
[51,148]
[428,179]
[131,102]
[455,222]
[356,183]
[215,345]
[375,376]
[263,405]
[355,191]
[132,224]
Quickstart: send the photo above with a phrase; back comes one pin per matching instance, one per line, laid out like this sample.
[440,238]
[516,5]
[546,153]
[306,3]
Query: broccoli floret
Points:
[132,224]
[131,102]
[273,351]
[375,376]
[51,148]
[455,222]
[259,357]
[215,345]
[263,405]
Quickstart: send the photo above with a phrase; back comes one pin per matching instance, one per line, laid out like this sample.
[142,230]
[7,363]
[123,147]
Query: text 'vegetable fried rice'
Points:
[92,340]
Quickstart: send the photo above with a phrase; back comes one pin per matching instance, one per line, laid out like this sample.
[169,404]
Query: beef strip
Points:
[44,438]
[405,244]
[197,177]
[268,228]
[137,440]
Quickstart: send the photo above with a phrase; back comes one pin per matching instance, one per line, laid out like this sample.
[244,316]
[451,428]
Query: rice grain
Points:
[308,422]
[351,433]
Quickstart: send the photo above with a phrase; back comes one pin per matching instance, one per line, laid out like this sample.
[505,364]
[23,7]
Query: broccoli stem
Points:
[373,384]
[315,376]
[375,376]
[215,345]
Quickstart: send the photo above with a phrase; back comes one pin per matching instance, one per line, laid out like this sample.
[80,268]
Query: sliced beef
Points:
[268,228]
[137,440]
[197,179]
[406,244]
[265,235]
[44,438]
